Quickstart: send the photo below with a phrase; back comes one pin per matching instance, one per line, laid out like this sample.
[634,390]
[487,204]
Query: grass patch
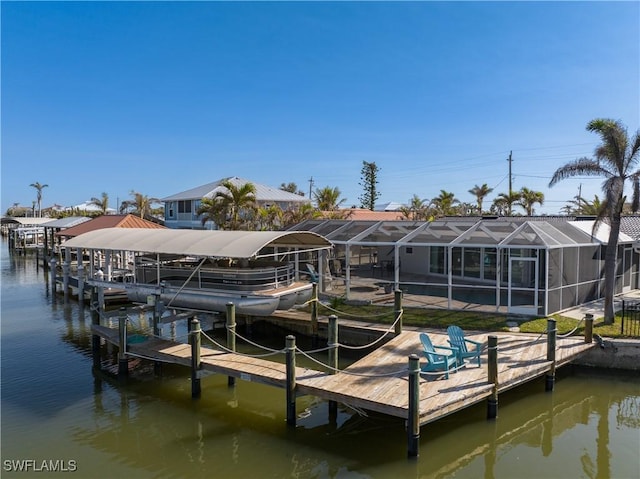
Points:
[468,320]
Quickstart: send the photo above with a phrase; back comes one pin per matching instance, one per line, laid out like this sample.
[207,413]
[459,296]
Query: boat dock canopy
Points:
[203,243]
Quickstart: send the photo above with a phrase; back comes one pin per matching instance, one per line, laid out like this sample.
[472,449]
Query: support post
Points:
[588,328]
[95,320]
[123,363]
[231,334]
[397,310]
[80,283]
[492,373]
[552,332]
[332,343]
[291,379]
[413,422]
[196,364]
[314,310]
[54,274]
[65,279]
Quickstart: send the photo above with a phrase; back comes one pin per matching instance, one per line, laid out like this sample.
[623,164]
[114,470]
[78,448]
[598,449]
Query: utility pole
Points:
[510,160]
[310,186]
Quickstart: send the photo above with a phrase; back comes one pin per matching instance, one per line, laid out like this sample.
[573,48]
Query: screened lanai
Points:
[516,265]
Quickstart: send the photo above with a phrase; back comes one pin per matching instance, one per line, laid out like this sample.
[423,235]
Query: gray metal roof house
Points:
[180,208]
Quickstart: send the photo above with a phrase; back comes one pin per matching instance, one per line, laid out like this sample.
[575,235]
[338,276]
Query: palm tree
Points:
[615,159]
[445,203]
[503,203]
[581,206]
[268,217]
[231,206]
[293,216]
[528,198]
[327,198]
[480,192]
[416,210]
[140,204]
[39,187]
[102,203]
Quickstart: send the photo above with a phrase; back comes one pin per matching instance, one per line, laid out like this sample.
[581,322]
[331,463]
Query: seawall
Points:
[613,354]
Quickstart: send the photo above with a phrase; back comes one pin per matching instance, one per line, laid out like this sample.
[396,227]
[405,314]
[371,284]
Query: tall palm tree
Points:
[528,198]
[445,203]
[616,160]
[101,203]
[140,205]
[327,198]
[480,192]
[39,188]
[503,203]
[231,207]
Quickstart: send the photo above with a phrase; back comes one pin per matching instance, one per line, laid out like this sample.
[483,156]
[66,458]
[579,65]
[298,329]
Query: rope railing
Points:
[344,371]
[387,331]
[271,352]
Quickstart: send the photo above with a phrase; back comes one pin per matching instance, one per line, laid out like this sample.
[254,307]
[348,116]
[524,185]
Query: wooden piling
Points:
[291,379]
[314,309]
[552,333]
[123,363]
[332,343]
[413,421]
[492,373]
[397,310]
[588,328]
[95,320]
[196,363]
[231,334]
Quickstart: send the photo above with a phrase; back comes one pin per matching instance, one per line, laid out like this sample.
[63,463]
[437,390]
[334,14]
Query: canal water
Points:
[59,418]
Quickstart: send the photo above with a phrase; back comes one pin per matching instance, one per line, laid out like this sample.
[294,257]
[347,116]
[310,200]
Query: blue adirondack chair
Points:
[438,361]
[467,348]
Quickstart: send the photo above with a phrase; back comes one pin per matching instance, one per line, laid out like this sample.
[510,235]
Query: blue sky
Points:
[162,97]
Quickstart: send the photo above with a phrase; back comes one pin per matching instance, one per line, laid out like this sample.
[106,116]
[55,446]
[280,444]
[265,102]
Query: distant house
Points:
[89,207]
[180,209]
[107,221]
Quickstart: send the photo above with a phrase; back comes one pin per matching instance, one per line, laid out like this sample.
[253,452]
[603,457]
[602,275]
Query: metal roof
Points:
[202,243]
[263,193]
[67,222]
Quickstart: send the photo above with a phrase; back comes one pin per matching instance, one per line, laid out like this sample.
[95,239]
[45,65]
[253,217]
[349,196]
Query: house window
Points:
[184,206]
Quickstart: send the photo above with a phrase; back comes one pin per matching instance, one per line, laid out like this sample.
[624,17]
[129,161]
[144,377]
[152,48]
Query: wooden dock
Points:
[379,381]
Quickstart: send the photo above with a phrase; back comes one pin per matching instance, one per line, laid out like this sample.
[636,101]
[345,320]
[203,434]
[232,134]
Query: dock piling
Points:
[332,343]
[413,421]
[291,379]
[588,328]
[552,333]
[196,363]
[231,334]
[95,320]
[314,310]
[123,363]
[397,310]
[492,372]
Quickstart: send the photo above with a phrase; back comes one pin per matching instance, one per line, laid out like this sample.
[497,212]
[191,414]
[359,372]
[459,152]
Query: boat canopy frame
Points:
[199,243]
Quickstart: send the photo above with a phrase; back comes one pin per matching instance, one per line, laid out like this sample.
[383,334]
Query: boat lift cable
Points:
[187,281]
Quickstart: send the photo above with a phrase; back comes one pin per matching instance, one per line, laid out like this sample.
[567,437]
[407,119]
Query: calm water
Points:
[55,409]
